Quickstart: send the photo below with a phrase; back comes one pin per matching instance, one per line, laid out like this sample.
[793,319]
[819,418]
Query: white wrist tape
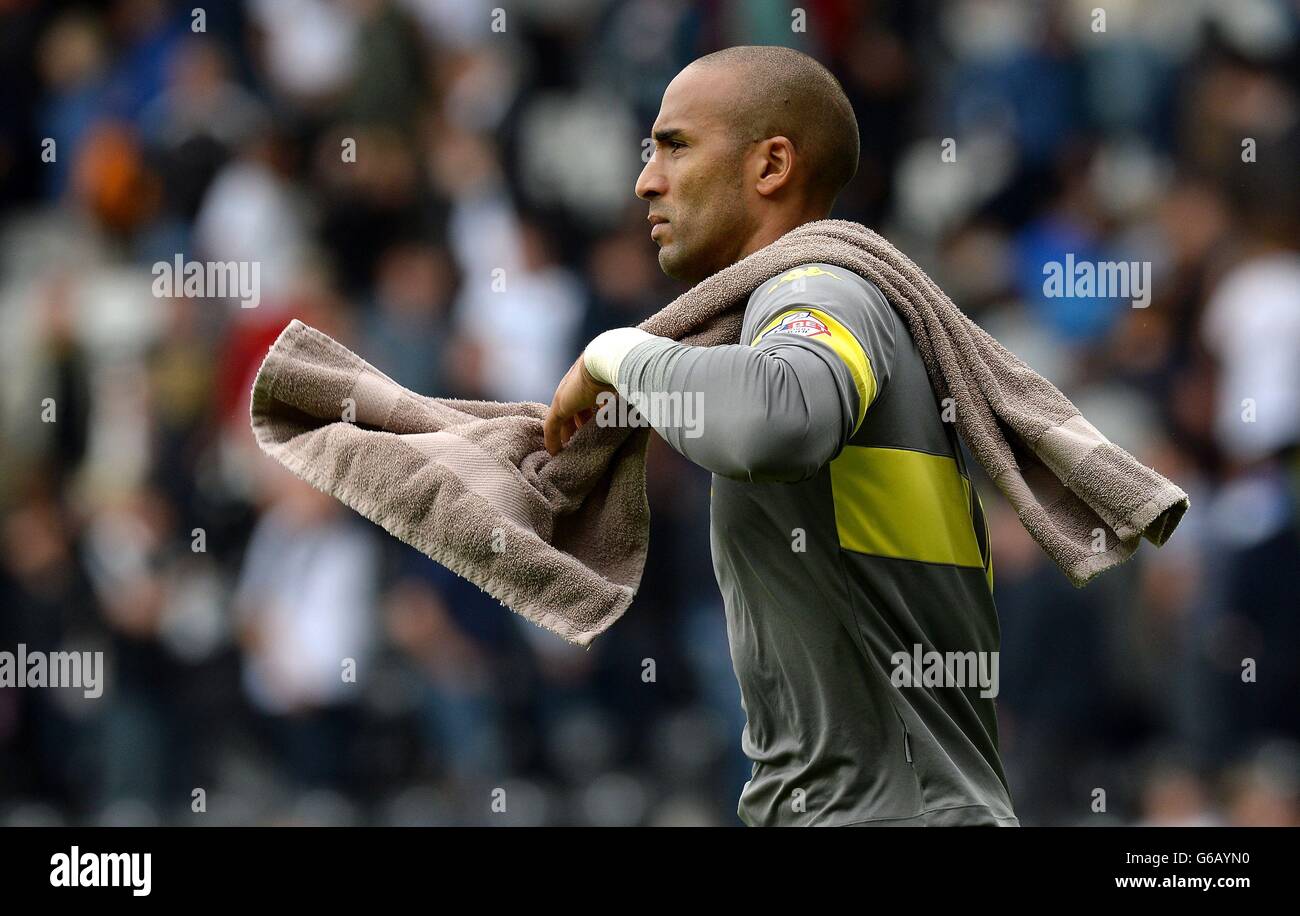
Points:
[605,353]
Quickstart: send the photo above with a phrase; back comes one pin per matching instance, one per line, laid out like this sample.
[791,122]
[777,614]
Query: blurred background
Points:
[516,149]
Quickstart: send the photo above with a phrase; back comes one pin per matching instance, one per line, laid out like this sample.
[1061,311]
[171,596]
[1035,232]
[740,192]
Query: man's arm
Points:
[774,409]
[754,415]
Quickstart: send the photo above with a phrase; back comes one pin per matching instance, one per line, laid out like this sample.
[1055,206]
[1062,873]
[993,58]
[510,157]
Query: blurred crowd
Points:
[446,186]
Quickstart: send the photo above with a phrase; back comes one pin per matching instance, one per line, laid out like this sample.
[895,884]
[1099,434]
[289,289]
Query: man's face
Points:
[695,180]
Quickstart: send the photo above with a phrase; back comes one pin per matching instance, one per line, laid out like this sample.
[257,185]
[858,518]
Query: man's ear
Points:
[777,158]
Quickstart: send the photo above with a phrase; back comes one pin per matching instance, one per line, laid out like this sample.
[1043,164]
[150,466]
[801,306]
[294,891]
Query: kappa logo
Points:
[801,323]
[799,273]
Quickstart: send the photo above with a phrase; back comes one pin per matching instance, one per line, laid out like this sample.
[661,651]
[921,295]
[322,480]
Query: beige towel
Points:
[562,540]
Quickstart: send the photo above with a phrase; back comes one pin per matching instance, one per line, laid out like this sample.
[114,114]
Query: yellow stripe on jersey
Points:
[903,504]
[846,346]
[988,549]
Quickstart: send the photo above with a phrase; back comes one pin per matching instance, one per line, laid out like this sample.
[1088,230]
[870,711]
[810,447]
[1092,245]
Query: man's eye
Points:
[676,144]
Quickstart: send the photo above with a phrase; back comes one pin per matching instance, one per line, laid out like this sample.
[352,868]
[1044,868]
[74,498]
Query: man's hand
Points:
[573,406]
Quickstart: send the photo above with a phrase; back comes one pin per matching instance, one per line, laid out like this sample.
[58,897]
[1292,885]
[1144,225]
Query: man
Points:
[844,529]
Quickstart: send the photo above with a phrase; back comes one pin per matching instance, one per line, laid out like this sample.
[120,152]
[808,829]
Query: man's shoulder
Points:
[818,283]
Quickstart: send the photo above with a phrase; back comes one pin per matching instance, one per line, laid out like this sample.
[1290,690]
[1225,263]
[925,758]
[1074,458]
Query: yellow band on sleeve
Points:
[846,346]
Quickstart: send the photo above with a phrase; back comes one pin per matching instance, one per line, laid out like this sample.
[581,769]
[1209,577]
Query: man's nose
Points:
[651,183]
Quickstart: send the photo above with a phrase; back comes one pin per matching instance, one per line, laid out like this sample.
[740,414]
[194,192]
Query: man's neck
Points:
[766,235]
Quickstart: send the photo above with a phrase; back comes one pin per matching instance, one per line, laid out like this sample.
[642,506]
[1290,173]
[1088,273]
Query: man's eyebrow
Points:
[664,134]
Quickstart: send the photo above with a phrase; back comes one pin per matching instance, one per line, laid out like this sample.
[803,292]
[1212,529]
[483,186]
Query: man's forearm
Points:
[758,415]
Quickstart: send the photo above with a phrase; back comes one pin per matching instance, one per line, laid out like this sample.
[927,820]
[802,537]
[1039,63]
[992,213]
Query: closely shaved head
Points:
[783,92]
[750,142]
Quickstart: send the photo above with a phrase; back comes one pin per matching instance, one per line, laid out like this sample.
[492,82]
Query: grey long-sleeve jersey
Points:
[852,556]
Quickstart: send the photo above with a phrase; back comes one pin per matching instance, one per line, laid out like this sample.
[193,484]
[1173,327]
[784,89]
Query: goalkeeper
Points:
[847,540]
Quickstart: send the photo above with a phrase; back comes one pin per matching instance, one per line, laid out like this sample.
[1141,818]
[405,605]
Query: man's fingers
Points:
[558,426]
[569,411]
[551,430]
[548,437]
[557,430]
